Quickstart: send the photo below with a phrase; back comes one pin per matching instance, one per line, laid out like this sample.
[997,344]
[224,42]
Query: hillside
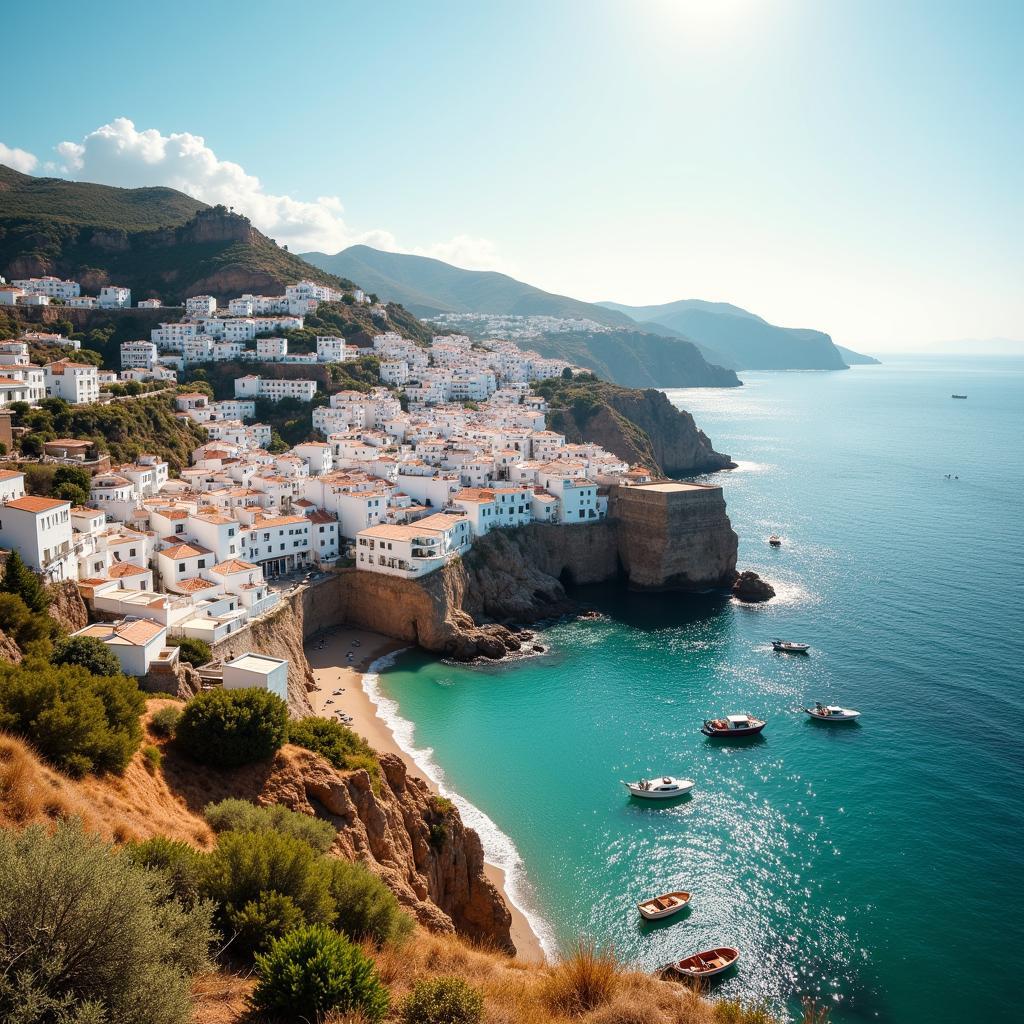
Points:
[856,358]
[156,241]
[428,287]
[743,340]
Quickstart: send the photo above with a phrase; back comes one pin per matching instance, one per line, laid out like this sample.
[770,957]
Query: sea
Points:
[875,868]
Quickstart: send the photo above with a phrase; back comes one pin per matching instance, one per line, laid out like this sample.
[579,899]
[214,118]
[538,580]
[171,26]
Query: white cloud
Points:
[120,154]
[467,252]
[19,159]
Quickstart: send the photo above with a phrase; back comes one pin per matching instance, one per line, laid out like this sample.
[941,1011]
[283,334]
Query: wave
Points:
[499,849]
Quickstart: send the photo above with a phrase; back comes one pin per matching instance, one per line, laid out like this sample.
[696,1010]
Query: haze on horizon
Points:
[853,166]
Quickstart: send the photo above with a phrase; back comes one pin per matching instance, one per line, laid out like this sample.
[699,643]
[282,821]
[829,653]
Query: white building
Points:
[200,305]
[76,383]
[54,287]
[136,643]
[259,672]
[114,297]
[150,304]
[39,529]
[273,389]
[138,355]
[412,551]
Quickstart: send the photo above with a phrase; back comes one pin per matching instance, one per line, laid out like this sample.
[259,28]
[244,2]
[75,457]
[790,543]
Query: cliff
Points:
[67,608]
[640,426]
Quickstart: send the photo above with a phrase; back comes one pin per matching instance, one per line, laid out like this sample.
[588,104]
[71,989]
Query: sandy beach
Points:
[334,671]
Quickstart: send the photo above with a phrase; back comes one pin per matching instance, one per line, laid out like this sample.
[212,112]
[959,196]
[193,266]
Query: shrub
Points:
[92,654]
[313,970]
[247,865]
[264,919]
[152,758]
[340,745]
[19,579]
[180,865]
[228,728]
[442,1001]
[196,652]
[165,721]
[22,624]
[79,722]
[233,815]
[584,980]
[88,935]
[365,908]
[441,805]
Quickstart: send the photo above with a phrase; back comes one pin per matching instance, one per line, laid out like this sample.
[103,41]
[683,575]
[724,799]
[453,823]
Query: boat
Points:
[775,540]
[959,396]
[705,964]
[663,906]
[733,725]
[832,713]
[659,789]
[790,647]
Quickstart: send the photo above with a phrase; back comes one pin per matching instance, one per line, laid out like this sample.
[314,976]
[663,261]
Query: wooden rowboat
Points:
[663,906]
[706,964]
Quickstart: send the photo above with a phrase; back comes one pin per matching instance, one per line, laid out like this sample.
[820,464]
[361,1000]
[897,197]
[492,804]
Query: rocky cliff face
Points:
[419,846]
[67,608]
[642,427]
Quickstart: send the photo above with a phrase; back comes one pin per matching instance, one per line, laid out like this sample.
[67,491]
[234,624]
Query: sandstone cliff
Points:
[67,608]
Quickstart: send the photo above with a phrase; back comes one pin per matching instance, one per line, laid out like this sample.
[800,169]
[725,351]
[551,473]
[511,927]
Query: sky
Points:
[856,166]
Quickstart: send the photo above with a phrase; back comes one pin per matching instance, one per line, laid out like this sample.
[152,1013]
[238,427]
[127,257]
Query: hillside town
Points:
[396,479]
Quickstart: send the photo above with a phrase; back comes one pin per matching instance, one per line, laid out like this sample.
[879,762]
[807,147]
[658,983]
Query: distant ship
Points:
[959,396]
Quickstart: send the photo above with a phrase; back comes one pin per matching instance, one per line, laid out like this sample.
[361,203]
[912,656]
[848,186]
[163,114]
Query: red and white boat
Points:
[732,726]
[705,964]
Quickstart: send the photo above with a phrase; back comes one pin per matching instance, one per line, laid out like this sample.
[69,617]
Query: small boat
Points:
[705,964]
[832,713]
[959,396]
[733,725]
[663,906]
[659,789]
[775,540]
[790,647]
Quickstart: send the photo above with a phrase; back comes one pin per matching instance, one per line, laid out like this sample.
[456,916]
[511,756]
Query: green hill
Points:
[428,287]
[742,340]
[156,241]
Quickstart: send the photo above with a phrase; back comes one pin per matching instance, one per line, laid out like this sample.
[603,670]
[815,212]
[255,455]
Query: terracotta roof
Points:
[30,503]
[9,474]
[121,569]
[191,586]
[137,632]
[233,565]
[184,551]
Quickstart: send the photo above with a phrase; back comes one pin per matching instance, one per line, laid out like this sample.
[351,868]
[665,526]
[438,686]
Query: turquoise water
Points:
[875,865]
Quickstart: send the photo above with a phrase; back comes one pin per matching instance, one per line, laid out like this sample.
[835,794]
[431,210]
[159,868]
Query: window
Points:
[181,567]
[202,563]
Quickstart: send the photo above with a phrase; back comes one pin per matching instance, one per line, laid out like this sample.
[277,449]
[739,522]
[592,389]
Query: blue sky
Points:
[852,166]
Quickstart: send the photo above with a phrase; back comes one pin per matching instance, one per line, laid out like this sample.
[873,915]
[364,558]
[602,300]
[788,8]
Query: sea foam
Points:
[499,849]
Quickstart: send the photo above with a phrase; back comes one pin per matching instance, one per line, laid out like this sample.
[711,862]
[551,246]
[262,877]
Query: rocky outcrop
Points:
[674,536]
[9,650]
[644,428]
[415,842]
[67,608]
[748,586]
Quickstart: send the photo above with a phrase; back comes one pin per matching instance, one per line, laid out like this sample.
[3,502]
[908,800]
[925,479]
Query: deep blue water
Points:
[876,865]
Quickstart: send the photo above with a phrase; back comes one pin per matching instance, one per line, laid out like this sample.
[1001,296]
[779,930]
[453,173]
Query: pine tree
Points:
[21,580]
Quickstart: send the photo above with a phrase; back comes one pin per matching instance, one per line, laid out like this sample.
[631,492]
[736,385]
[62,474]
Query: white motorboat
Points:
[832,713]
[663,906]
[790,646]
[659,789]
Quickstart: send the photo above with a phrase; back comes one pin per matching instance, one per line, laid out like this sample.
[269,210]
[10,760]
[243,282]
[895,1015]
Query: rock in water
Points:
[748,586]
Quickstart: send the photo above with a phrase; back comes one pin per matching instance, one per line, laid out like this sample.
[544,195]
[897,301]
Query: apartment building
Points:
[76,383]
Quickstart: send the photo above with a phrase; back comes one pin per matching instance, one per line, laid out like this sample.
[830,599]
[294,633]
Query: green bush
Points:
[92,654]
[228,728]
[312,971]
[80,722]
[87,935]
[165,721]
[263,920]
[442,1001]
[19,579]
[365,908]
[233,815]
[22,624]
[345,749]
[246,866]
[180,865]
[152,758]
[196,652]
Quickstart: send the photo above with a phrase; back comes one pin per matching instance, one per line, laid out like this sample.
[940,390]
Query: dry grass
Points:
[583,981]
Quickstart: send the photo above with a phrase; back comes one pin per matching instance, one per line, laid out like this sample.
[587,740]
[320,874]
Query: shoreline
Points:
[357,680]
